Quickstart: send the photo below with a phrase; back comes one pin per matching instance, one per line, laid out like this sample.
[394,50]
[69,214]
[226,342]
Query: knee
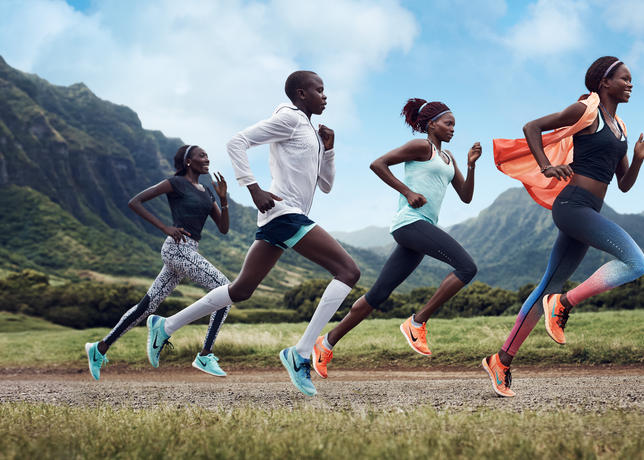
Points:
[350,274]
[467,272]
[239,293]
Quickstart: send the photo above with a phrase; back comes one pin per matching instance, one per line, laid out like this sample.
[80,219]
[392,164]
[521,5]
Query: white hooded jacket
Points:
[297,161]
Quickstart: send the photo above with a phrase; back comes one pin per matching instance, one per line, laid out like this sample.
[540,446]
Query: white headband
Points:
[421,107]
[436,117]
[611,68]
[185,155]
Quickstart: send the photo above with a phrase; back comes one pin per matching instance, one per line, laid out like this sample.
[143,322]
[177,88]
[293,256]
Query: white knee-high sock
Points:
[331,300]
[215,300]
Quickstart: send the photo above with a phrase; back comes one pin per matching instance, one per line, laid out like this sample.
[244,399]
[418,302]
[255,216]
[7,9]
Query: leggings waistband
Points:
[573,195]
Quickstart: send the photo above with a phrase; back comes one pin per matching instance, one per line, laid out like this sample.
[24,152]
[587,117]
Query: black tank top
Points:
[190,207]
[597,155]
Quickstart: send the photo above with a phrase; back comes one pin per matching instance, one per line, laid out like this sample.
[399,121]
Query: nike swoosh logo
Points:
[498,382]
[202,363]
[297,369]
[320,358]
[412,335]
[154,345]
[552,313]
[94,355]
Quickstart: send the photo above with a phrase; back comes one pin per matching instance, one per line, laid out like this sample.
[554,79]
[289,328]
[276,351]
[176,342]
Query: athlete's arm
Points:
[220,216]
[327,166]
[415,150]
[278,128]
[627,175]
[136,205]
[465,187]
[533,129]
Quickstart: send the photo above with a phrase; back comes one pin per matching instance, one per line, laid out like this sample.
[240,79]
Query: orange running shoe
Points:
[321,357]
[499,374]
[416,337]
[556,316]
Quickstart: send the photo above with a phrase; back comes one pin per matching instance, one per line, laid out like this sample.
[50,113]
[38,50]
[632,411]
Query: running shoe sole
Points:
[206,372]
[492,378]
[292,375]
[402,329]
[546,314]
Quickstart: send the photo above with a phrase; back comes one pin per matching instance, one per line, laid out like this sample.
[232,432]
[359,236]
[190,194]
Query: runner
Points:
[301,158]
[428,172]
[191,203]
[599,152]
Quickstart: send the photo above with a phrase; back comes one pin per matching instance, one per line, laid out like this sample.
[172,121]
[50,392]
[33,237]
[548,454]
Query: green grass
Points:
[594,338]
[12,322]
[46,431]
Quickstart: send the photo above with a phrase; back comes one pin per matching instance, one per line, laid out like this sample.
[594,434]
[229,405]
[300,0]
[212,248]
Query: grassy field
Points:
[43,431]
[594,338]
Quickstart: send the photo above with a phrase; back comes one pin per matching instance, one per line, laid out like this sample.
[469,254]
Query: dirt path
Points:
[582,389]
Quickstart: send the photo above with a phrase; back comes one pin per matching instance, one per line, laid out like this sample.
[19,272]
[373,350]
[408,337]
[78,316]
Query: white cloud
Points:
[625,14]
[551,28]
[202,70]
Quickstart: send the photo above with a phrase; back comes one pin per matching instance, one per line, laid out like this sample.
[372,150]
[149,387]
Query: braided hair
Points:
[180,159]
[418,113]
[597,69]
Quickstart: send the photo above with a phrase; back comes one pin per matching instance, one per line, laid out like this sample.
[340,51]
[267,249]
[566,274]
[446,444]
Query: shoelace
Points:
[508,378]
[105,360]
[168,343]
[563,318]
[307,369]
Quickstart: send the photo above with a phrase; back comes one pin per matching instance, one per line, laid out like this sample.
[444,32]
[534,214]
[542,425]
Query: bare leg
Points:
[447,289]
[320,247]
[359,311]
[260,260]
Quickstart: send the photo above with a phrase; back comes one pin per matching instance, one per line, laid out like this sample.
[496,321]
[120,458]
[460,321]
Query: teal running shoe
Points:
[95,359]
[299,369]
[157,338]
[209,365]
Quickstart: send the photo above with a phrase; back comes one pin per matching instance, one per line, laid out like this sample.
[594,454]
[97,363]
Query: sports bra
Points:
[597,155]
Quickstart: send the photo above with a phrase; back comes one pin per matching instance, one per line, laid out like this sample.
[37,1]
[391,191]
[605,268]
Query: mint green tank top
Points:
[429,178]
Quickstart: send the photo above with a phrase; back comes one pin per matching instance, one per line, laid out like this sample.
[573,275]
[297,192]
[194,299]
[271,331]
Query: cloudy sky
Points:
[202,70]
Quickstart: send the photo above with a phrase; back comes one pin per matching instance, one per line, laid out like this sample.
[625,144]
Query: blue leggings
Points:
[576,215]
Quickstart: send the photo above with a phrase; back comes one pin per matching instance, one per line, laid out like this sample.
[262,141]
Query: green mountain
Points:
[69,163]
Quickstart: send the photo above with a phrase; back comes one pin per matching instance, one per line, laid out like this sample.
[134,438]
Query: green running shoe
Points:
[299,369]
[157,338]
[95,359]
[209,365]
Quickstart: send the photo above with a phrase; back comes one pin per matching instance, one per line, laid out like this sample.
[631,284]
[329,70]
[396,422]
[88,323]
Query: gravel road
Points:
[577,389]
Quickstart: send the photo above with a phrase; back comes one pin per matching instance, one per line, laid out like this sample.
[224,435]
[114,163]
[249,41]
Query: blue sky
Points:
[203,70]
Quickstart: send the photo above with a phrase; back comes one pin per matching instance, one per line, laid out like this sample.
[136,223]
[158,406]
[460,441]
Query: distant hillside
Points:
[367,238]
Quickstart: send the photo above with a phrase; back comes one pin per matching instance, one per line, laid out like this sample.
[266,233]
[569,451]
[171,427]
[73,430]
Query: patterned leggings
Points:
[576,214]
[180,260]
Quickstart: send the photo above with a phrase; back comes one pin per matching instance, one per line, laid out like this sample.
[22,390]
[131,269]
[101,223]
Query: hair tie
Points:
[436,117]
[185,155]
[421,107]
[611,68]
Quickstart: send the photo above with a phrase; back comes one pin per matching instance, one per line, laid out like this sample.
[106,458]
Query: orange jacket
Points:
[513,156]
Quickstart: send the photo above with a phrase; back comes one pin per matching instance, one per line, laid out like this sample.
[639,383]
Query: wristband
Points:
[545,168]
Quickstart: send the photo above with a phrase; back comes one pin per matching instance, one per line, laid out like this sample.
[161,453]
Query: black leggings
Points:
[415,241]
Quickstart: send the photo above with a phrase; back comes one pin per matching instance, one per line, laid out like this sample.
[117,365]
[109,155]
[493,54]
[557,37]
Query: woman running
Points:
[599,152]
[428,172]
[301,159]
[191,203]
